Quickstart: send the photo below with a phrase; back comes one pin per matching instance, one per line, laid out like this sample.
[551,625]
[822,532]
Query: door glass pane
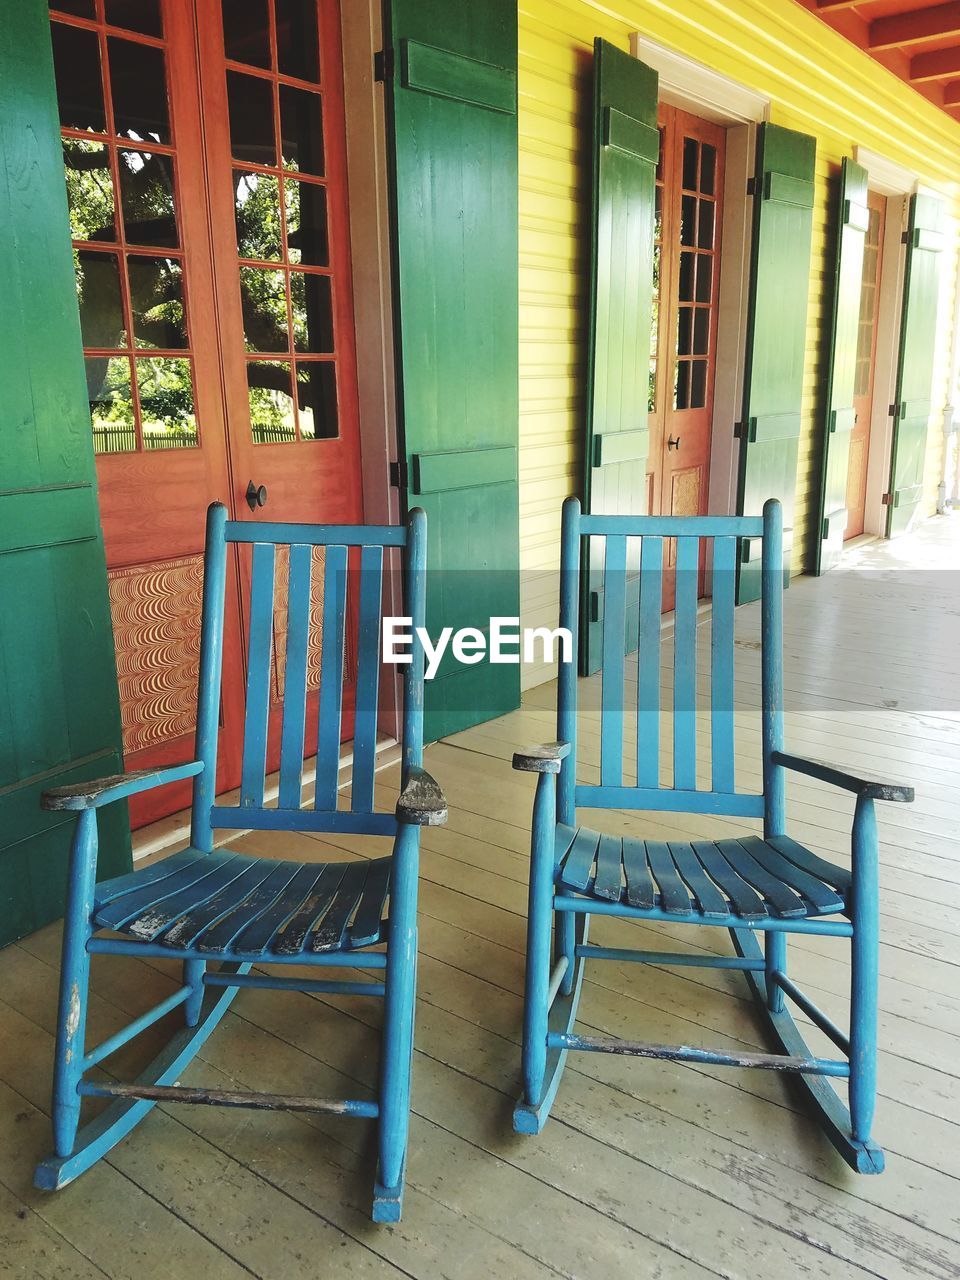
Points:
[698,384]
[684,330]
[688,218]
[704,277]
[708,169]
[111,404]
[297,51]
[138,88]
[80,8]
[270,391]
[148,199]
[263,297]
[251,119]
[681,385]
[89,189]
[257,208]
[76,59]
[705,225]
[687,268]
[691,153]
[166,403]
[317,399]
[246,31]
[100,297]
[156,300]
[135,15]
[306,223]
[701,331]
[301,130]
[312,312]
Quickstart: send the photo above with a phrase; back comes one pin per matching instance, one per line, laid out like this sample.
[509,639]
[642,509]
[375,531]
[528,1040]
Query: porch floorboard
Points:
[647,1168]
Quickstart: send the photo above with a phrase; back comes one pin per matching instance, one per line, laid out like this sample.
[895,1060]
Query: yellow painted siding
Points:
[817,83]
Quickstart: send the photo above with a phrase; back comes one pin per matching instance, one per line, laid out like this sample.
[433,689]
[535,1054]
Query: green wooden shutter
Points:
[626,146]
[453,98]
[59,712]
[918,338]
[776,335]
[853,219]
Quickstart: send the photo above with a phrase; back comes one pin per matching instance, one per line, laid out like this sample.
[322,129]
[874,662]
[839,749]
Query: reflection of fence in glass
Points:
[123,439]
[272,433]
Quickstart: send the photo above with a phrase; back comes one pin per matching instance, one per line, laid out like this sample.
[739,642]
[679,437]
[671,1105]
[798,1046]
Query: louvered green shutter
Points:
[783,189]
[852,221]
[626,146]
[918,338]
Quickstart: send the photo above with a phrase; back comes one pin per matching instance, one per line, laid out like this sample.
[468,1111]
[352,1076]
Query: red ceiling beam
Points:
[951,94]
[915,27]
[938,64]
[835,6]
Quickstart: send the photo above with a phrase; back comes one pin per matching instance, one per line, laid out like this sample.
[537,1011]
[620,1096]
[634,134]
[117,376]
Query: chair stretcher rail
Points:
[709,1057]
[231,1098]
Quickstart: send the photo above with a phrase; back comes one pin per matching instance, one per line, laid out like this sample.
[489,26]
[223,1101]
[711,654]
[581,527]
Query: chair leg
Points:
[193,971]
[536,1009]
[775,961]
[74,984]
[397,1045]
[864,917]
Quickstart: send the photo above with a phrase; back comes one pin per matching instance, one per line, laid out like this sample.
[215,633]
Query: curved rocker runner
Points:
[204,904]
[755,887]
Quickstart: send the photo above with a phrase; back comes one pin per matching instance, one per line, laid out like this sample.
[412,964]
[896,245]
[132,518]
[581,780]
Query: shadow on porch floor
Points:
[647,1168]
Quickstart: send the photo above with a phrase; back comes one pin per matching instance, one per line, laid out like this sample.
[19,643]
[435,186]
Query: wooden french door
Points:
[865,365]
[684,324]
[204,156]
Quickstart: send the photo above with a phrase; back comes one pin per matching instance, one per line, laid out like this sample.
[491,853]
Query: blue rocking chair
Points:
[206,905]
[771,886]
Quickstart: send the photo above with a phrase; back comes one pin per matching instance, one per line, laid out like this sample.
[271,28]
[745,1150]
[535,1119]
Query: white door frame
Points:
[696,88]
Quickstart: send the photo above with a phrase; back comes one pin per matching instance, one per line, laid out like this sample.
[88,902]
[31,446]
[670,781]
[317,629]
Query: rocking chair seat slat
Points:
[701,880]
[252,907]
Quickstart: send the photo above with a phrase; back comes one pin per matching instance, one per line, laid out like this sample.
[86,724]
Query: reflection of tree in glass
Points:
[257,205]
[166,401]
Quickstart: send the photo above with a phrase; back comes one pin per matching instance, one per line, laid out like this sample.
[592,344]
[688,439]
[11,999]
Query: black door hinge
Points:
[398,474]
[887,500]
[751,186]
[383,65]
[893,410]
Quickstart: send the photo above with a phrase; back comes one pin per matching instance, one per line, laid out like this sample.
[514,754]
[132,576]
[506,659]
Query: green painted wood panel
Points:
[776,334]
[59,708]
[918,340]
[851,219]
[625,152]
[452,107]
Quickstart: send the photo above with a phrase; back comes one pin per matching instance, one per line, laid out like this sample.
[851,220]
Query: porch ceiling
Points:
[916,40]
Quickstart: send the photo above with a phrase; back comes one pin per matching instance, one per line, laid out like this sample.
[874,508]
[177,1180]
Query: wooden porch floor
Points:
[647,1169]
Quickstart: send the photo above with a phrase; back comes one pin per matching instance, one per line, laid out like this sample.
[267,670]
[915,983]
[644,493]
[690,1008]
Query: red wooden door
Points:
[204,303]
[687,277]
[865,366]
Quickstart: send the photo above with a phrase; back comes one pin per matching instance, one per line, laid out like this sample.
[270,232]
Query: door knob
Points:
[673,443]
[256,495]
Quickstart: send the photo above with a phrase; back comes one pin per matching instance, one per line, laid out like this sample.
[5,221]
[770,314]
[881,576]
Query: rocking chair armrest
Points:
[545,757]
[421,803]
[102,791]
[866,788]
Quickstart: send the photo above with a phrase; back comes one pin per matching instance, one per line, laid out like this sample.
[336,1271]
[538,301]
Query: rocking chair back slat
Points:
[331,679]
[295,676]
[611,698]
[368,679]
[648,672]
[259,650]
[723,581]
[692,538]
[685,666]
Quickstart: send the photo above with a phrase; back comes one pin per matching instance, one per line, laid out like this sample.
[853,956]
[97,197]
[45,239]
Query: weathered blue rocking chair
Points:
[217,905]
[749,885]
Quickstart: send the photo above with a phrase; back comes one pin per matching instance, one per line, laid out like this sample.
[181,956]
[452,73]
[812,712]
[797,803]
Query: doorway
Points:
[864,375]
[206,179]
[689,218]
